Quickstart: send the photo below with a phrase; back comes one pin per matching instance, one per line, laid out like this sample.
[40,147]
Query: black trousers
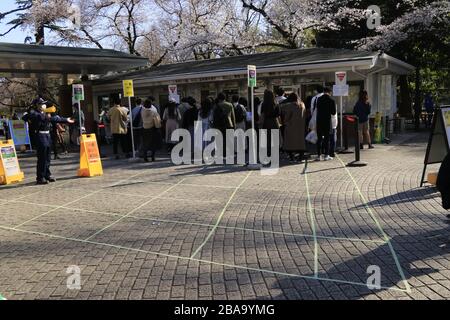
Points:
[119,139]
[44,151]
[323,143]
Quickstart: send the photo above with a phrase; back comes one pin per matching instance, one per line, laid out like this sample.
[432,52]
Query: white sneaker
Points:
[328,158]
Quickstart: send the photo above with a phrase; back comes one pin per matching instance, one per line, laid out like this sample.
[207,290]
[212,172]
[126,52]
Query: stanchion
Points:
[357,162]
[343,126]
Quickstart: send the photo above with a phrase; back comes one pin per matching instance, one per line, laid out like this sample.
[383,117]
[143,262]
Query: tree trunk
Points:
[405,107]
[417,100]
[40,40]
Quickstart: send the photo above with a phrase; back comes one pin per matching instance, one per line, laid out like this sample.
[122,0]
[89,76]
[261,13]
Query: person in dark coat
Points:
[326,107]
[293,116]
[443,183]
[43,122]
[270,112]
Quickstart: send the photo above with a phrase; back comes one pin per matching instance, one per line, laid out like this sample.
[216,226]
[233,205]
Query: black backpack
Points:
[239,114]
[219,118]
[137,121]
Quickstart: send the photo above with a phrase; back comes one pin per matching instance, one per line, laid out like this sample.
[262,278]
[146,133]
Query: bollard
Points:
[345,126]
[357,162]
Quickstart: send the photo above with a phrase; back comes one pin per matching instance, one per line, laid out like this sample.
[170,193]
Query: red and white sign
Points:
[173,90]
[341,78]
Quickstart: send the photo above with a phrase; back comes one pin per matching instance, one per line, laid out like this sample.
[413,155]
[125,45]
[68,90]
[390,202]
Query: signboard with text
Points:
[19,132]
[341,78]
[78,92]
[252,81]
[341,90]
[128,88]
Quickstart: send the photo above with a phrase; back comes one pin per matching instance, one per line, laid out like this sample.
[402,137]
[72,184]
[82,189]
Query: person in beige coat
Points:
[118,117]
[152,138]
[293,117]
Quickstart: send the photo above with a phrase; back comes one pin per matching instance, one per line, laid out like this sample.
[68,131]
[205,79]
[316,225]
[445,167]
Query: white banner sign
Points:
[341,91]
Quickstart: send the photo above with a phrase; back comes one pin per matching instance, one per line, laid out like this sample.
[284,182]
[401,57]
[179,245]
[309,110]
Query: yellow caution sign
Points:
[90,160]
[128,88]
[9,164]
[378,128]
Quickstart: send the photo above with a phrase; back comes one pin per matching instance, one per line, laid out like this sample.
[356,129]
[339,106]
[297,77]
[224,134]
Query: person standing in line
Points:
[151,133]
[280,95]
[118,116]
[313,109]
[326,108]
[136,115]
[269,120]
[172,118]
[333,135]
[57,131]
[293,117]
[241,116]
[76,128]
[182,108]
[205,116]
[362,110]
[189,119]
[155,107]
[224,119]
[240,113]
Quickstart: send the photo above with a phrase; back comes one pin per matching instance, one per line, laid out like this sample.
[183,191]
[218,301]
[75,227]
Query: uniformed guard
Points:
[42,120]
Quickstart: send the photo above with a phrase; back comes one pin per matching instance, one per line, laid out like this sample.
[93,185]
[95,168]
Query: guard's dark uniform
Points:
[43,124]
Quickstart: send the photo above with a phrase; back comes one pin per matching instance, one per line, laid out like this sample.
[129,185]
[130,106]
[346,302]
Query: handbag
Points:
[312,137]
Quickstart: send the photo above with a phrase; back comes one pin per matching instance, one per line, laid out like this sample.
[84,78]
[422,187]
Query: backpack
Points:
[137,121]
[219,118]
[239,113]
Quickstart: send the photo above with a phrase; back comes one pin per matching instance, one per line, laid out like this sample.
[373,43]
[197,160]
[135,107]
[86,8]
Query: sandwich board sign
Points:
[439,142]
[9,164]
[251,76]
[90,160]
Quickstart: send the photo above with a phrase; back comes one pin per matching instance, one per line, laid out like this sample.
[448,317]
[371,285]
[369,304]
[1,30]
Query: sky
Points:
[17,35]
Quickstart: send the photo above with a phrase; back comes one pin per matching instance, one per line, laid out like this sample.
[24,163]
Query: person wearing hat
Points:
[42,121]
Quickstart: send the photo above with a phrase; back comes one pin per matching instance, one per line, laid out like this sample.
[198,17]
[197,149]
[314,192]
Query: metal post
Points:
[357,162]
[131,126]
[79,119]
[253,166]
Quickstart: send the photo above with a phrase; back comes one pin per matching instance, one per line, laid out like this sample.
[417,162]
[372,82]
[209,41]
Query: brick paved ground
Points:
[154,231]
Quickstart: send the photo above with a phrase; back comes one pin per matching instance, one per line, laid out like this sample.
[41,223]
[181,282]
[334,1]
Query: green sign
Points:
[78,92]
[251,76]
[2,298]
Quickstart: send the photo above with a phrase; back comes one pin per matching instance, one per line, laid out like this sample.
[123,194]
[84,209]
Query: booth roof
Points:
[261,60]
[24,58]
